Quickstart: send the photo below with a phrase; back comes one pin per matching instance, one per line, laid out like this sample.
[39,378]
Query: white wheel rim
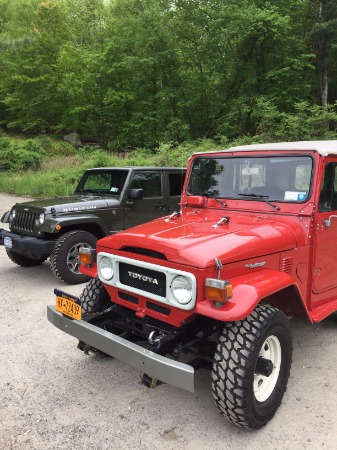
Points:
[263,386]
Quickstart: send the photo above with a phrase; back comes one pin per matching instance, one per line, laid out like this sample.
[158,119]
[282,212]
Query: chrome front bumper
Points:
[156,366]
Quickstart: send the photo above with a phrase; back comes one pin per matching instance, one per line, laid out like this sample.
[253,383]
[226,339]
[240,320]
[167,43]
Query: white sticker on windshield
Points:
[114,189]
[250,171]
[295,196]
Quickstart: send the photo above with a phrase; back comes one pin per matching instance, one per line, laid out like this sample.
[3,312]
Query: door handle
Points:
[327,222]
[160,205]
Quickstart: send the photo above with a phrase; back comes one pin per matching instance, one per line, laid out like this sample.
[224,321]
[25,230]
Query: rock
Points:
[74,139]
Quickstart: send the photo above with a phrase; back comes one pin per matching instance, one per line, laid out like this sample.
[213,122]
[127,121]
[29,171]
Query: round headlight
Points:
[182,289]
[12,215]
[106,268]
[41,218]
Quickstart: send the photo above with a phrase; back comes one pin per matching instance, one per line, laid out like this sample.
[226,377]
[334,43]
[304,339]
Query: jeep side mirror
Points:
[136,194]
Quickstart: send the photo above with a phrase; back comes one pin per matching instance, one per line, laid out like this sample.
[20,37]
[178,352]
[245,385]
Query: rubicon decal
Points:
[79,208]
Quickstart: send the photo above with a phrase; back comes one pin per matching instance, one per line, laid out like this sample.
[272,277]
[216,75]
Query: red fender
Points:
[248,291]
[91,270]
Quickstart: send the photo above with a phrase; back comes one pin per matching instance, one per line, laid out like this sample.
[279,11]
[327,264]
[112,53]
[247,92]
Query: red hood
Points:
[192,240]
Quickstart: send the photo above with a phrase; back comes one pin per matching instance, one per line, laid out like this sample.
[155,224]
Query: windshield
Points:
[102,182]
[278,178]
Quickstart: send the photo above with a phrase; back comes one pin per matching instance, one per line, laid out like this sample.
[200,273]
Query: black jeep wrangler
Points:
[106,200]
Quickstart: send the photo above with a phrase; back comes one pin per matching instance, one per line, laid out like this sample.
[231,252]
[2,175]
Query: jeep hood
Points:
[64,205]
[194,241]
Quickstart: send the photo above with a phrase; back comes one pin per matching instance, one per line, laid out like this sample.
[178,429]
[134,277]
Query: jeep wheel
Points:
[22,260]
[64,260]
[94,299]
[252,367]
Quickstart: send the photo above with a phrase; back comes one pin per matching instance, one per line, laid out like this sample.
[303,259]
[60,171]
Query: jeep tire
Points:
[64,260]
[252,367]
[22,260]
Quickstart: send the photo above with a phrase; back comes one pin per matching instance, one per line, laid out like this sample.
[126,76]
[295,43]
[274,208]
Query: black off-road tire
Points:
[242,394]
[94,299]
[22,260]
[64,262]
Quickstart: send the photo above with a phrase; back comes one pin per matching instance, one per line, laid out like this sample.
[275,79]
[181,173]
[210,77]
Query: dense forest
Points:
[138,73]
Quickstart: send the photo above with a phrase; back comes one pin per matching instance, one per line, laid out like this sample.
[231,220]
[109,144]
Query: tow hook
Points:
[155,338]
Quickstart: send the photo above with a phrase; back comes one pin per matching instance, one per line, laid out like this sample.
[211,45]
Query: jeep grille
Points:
[141,279]
[23,221]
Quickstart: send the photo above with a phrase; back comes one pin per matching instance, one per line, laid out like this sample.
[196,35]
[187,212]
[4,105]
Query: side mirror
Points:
[136,194]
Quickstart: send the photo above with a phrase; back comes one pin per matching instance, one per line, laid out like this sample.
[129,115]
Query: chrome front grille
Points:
[23,221]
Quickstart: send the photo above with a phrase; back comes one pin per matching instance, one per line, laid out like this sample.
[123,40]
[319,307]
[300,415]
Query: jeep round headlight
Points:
[106,268]
[41,218]
[12,215]
[182,289]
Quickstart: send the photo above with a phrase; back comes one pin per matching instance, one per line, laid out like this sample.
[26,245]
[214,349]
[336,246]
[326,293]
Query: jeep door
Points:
[153,204]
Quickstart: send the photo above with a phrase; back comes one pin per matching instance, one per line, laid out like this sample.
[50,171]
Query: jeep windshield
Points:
[102,182]
[274,178]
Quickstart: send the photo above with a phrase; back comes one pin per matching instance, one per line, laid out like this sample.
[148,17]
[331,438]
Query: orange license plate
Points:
[68,305]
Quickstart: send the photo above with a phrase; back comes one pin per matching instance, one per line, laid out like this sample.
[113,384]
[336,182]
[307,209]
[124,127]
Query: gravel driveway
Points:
[54,397]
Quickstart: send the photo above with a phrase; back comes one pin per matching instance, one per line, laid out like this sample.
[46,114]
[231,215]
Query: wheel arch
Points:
[90,227]
[289,301]
[265,286]
[56,226]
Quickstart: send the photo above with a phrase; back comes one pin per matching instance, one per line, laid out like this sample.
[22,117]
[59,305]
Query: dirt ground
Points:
[54,397]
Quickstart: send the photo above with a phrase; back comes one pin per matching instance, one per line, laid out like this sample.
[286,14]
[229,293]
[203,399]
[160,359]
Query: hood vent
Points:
[287,265]
[144,252]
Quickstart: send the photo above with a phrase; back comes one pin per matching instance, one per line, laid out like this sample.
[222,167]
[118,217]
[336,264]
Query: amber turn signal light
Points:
[217,290]
[87,256]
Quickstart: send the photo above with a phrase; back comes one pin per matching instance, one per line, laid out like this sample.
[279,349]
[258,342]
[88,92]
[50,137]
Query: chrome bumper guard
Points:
[156,366]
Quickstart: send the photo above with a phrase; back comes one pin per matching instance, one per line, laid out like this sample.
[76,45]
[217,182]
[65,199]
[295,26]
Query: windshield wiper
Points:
[262,197]
[93,191]
[206,194]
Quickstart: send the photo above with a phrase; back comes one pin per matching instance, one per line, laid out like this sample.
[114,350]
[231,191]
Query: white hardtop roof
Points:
[322,147]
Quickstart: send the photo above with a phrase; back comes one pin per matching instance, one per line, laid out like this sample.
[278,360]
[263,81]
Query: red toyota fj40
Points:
[254,243]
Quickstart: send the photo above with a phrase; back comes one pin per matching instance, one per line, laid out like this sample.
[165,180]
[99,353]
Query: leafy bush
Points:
[306,122]
[54,147]
[21,155]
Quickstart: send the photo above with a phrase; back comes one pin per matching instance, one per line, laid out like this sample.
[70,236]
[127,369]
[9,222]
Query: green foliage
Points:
[130,74]
[43,184]
[305,123]
[59,174]
[17,156]
[55,147]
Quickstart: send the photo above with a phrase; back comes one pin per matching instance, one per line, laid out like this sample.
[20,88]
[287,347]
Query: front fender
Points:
[5,217]
[90,270]
[248,291]
[49,226]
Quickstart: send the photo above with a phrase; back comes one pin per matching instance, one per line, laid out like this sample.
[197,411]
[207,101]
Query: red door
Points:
[324,284]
